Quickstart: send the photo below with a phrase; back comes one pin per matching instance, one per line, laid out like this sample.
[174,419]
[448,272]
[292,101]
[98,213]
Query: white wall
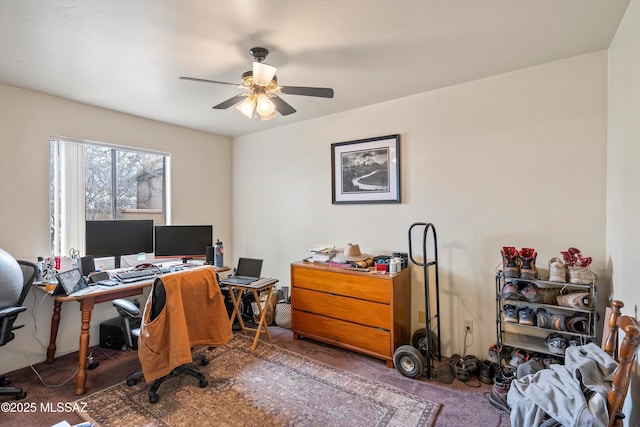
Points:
[515,159]
[201,174]
[623,176]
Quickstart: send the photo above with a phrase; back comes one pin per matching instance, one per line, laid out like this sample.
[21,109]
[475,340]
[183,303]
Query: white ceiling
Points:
[127,55]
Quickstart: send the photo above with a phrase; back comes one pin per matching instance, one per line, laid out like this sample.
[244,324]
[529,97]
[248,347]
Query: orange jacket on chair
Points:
[194,314]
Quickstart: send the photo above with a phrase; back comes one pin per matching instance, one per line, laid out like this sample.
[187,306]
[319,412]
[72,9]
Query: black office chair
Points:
[8,314]
[131,318]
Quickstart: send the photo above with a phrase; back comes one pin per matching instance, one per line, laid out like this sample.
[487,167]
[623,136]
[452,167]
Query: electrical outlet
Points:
[422,317]
[468,325]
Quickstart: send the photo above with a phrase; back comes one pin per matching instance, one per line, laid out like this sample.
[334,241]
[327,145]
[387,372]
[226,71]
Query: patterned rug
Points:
[269,387]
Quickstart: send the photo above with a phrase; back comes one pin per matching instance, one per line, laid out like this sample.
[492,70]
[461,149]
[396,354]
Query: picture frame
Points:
[366,170]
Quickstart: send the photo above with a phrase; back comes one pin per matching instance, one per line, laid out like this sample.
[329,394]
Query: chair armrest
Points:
[9,311]
[127,307]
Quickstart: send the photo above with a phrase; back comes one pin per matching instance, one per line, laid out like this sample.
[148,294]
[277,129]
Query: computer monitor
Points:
[119,237]
[182,241]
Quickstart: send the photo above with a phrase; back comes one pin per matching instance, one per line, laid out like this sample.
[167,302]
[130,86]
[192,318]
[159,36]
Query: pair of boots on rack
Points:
[519,264]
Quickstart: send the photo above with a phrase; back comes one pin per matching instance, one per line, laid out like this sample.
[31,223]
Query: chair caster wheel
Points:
[203,383]
[154,397]
[21,395]
[204,362]
[131,383]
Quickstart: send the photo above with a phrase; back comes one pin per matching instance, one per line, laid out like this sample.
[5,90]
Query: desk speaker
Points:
[209,259]
[111,334]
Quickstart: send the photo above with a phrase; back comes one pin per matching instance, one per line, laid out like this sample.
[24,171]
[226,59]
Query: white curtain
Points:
[70,198]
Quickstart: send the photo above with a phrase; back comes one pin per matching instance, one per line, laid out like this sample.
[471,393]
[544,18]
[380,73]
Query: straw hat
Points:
[352,253]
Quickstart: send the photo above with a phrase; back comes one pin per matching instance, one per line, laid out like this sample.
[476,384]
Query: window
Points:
[94,181]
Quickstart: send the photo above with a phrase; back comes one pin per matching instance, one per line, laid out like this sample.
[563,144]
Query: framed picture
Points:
[366,170]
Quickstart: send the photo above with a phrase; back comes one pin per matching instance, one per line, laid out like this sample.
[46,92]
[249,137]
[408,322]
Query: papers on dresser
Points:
[322,253]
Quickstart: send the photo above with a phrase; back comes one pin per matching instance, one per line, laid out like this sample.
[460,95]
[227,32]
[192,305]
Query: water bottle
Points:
[218,250]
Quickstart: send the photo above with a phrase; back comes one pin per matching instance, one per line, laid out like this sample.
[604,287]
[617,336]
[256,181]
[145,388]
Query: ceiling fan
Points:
[261,97]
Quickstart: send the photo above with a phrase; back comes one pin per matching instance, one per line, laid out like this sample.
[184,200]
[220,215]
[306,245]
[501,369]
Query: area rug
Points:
[268,387]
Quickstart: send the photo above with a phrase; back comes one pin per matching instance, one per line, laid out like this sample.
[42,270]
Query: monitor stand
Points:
[184,260]
[116,261]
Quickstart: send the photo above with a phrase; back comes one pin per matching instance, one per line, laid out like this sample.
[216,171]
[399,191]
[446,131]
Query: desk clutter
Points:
[61,277]
[352,259]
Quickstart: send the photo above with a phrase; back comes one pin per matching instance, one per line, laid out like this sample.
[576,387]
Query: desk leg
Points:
[236,309]
[263,314]
[55,324]
[86,307]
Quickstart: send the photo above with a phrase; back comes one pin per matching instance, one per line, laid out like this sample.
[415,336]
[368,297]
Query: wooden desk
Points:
[87,302]
[266,285]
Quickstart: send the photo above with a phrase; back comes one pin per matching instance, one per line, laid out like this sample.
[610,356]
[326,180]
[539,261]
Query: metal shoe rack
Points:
[532,338]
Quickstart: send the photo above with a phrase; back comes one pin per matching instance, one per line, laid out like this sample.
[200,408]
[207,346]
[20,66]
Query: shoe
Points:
[531,293]
[498,396]
[526,316]
[548,361]
[510,313]
[557,271]
[578,267]
[459,369]
[550,320]
[575,342]
[583,300]
[556,343]
[518,357]
[486,371]
[470,363]
[543,319]
[581,275]
[443,372]
[578,324]
[548,295]
[528,263]
[510,261]
[529,367]
[510,291]
[495,353]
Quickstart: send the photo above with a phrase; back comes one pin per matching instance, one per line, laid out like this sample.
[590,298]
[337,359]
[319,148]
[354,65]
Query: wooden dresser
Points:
[364,312]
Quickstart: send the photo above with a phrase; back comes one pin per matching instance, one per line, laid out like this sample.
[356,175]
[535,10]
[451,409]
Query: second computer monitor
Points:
[182,241]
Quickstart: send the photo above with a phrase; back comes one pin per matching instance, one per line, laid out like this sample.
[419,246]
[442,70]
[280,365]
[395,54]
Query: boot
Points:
[557,270]
[498,396]
[528,269]
[510,261]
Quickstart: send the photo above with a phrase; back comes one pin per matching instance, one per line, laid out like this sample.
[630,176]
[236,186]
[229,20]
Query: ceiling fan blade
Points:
[207,81]
[230,102]
[281,106]
[322,92]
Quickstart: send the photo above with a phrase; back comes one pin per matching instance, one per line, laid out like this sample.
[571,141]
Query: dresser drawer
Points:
[365,313]
[343,334]
[356,285]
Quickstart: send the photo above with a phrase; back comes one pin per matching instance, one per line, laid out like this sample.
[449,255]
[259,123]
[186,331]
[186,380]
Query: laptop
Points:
[248,271]
[70,282]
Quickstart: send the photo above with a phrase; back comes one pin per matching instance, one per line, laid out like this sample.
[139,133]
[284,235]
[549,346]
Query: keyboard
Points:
[137,275]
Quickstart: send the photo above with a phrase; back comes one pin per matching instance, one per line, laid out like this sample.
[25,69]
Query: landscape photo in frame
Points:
[366,170]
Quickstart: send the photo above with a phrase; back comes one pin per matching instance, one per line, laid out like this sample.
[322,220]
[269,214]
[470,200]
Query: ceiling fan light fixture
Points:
[263,73]
[268,117]
[264,106]
[247,107]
